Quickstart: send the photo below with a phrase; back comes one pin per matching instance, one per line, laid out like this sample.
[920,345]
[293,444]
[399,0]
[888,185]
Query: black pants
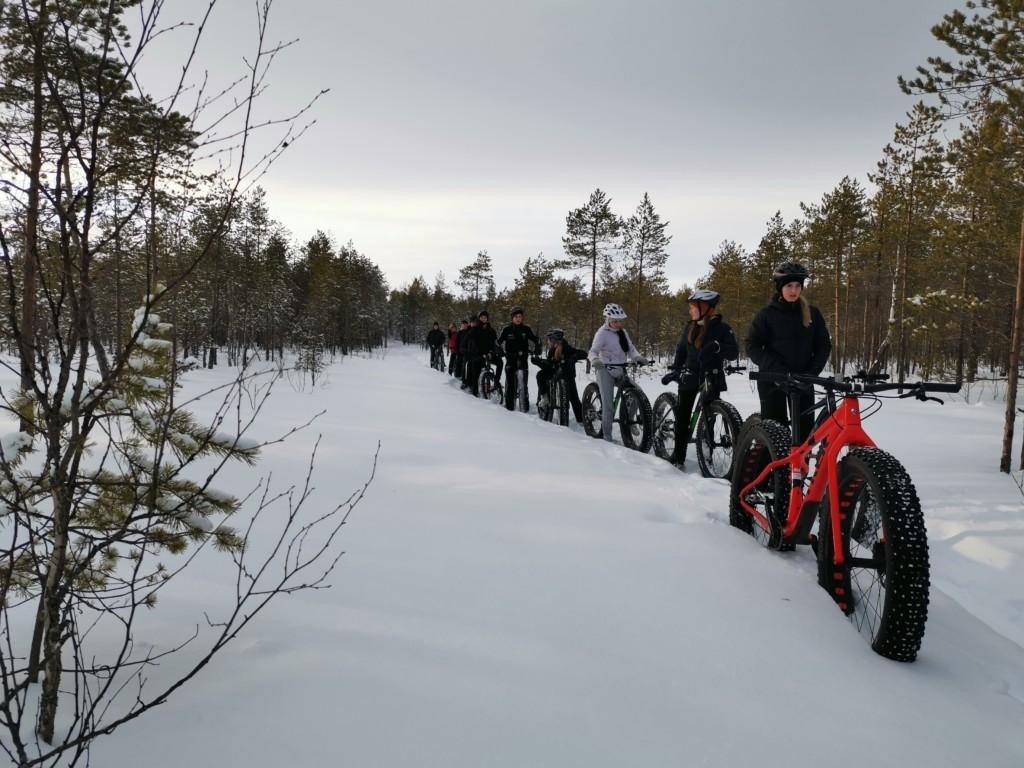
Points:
[512,387]
[775,405]
[473,367]
[435,352]
[684,412]
[455,365]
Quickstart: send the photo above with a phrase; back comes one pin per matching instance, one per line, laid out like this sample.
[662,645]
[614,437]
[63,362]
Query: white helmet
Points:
[614,312]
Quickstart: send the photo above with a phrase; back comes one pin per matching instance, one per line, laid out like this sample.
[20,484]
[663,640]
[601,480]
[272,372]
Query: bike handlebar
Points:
[853,387]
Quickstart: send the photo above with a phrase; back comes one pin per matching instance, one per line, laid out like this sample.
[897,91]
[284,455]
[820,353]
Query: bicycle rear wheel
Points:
[883,584]
[716,439]
[636,422]
[545,407]
[592,410]
[665,425]
[489,387]
[761,441]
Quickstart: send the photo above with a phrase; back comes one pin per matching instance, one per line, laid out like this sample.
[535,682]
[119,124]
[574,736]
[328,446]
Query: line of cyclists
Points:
[788,335]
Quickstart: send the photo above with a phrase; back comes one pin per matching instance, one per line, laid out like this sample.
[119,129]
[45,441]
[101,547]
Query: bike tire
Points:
[716,452]
[545,408]
[489,388]
[592,410]
[664,414]
[560,404]
[881,522]
[760,442]
[636,421]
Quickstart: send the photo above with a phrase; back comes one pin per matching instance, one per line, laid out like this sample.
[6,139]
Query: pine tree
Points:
[643,243]
[591,234]
[477,279]
[986,73]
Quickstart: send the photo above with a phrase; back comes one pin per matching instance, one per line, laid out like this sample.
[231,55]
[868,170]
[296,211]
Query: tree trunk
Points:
[1014,359]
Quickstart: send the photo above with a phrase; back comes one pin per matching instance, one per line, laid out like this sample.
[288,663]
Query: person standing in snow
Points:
[561,357]
[788,336]
[453,349]
[707,343]
[480,342]
[611,347]
[516,341]
[435,340]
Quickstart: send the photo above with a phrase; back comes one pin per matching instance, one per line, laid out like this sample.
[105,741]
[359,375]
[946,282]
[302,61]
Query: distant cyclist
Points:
[435,340]
[517,340]
[706,343]
[480,343]
[561,356]
[611,347]
[788,336]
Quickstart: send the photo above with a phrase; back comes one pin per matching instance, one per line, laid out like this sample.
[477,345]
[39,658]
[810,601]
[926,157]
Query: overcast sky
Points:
[459,125]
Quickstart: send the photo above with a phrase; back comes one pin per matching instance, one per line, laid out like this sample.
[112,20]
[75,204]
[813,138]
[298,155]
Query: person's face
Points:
[484,319]
[615,324]
[694,308]
[517,319]
[791,291]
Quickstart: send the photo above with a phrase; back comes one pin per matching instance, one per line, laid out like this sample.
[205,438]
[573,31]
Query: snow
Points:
[514,593]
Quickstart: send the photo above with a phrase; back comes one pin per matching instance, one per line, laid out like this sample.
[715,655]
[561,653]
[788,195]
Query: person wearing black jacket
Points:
[464,352]
[561,358]
[516,341]
[706,344]
[480,342]
[788,336]
[455,362]
[435,340]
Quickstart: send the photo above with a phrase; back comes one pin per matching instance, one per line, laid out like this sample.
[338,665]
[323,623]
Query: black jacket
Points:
[721,344]
[570,357]
[515,341]
[480,340]
[780,342]
[461,340]
[435,338]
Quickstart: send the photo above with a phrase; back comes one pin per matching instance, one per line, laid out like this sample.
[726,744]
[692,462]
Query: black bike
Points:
[632,410]
[553,399]
[488,386]
[717,424]
[517,385]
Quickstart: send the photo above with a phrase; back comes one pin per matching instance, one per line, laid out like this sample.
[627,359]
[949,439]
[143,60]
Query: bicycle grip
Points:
[941,386]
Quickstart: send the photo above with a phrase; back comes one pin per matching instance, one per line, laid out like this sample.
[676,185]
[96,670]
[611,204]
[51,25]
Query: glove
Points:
[539,362]
[669,377]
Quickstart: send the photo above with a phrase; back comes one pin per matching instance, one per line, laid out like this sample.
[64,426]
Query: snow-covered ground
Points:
[515,593]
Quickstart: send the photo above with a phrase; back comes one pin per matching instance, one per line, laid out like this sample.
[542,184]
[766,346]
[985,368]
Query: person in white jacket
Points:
[611,347]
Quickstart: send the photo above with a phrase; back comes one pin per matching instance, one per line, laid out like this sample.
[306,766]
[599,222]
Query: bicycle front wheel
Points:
[761,442]
[883,584]
[665,425]
[636,422]
[592,410]
[716,437]
[560,404]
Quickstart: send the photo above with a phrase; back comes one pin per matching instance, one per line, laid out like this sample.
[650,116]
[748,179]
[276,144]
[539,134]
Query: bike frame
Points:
[841,428]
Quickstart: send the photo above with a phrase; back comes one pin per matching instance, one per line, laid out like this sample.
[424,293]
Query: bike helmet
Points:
[557,335]
[711,298]
[614,312]
[516,311]
[789,272]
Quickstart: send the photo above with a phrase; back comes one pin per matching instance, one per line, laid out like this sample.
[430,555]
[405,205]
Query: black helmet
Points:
[557,335]
[789,272]
[711,298]
[516,311]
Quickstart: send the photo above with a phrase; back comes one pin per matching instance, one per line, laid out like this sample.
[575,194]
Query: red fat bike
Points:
[871,545]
